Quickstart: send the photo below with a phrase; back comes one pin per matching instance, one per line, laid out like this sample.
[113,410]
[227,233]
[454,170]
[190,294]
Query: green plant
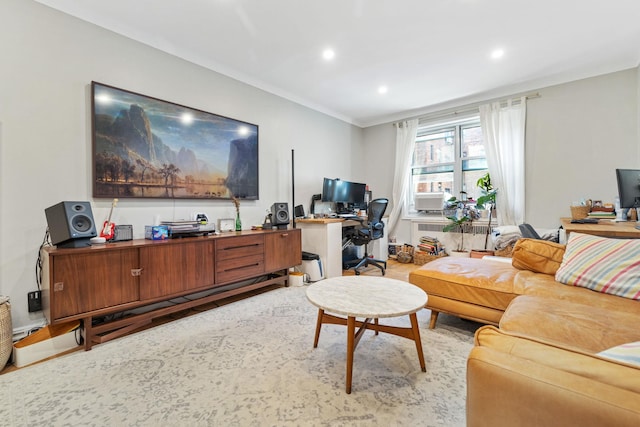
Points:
[488,197]
[462,219]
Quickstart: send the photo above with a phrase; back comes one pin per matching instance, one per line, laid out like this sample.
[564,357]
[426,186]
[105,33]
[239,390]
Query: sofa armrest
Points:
[515,380]
[505,390]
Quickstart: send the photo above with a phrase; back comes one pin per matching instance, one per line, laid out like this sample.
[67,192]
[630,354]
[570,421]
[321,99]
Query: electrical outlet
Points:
[35,301]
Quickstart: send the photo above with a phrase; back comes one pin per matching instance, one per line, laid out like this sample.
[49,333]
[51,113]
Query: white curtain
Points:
[405,141]
[503,128]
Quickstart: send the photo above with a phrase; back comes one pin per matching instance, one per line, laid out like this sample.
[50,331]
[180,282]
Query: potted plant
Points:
[459,222]
[486,201]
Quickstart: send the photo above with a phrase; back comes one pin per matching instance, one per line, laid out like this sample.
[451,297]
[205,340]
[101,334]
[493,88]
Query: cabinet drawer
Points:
[239,247]
[236,269]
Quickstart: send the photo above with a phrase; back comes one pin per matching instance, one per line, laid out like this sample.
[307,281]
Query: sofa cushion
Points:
[589,328]
[472,280]
[539,256]
[544,285]
[626,353]
[594,366]
[602,264]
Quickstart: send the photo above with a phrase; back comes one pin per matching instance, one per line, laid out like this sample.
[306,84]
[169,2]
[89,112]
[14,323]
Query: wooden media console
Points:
[91,284]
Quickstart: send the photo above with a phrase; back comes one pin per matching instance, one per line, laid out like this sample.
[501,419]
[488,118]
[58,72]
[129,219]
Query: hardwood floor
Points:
[395,270]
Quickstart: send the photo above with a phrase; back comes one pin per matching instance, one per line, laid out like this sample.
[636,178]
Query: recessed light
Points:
[383,89]
[497,53]
[328,54]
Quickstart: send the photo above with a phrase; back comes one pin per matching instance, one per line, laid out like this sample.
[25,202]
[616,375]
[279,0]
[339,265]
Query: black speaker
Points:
[279,214]
[71,224]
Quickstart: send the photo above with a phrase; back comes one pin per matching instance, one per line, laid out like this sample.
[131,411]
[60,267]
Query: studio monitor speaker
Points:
[71,224]
[280,213]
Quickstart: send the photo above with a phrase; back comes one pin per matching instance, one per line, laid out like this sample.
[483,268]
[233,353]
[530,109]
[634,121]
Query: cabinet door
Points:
[173,268]
[86,282]
[283,249]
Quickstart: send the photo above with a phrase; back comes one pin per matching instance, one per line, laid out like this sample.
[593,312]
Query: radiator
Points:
[474,236]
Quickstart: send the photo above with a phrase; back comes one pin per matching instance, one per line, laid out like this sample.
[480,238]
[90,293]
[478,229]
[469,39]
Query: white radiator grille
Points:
[473,228]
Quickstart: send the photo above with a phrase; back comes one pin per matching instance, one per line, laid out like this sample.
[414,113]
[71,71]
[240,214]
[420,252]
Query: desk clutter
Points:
[589,209]
[428,249]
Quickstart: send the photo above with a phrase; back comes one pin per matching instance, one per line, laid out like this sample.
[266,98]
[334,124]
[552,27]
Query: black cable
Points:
[39,261]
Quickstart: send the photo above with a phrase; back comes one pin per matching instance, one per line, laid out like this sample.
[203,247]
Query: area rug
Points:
[248,363]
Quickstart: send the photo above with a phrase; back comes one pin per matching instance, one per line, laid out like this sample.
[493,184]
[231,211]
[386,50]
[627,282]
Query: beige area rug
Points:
[249,363]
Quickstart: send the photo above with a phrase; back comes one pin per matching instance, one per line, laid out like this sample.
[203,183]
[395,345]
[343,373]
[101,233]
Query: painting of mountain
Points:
[146,147]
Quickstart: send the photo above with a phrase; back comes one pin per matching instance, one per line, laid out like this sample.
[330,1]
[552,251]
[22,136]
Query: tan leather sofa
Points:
[541,366]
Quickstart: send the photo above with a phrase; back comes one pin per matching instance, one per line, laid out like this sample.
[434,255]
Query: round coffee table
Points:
[369,298]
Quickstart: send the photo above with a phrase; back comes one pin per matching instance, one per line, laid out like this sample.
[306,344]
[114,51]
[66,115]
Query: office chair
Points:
[367,231]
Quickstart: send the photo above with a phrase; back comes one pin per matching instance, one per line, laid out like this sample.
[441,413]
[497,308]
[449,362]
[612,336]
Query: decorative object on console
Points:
[71,224]
[226,224]
[157,149]
[123,233]
[236,203]
[108,228]
[280,214]
[156,232]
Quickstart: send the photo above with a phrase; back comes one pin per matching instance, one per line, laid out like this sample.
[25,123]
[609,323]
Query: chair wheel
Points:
[357,273]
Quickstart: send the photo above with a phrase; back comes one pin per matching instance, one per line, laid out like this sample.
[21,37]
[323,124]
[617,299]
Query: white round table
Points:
[369,298]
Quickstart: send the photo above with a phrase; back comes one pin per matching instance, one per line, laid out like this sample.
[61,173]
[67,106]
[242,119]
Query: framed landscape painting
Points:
[146,147]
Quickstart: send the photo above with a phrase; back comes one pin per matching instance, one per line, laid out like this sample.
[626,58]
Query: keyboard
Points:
[347,216]
[585,221]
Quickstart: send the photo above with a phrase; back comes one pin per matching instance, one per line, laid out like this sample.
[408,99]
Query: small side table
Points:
[369,298]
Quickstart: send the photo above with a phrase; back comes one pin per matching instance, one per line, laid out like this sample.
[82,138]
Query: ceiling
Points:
[430,54]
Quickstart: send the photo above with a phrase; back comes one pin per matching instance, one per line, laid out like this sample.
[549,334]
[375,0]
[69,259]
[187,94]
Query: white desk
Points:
[323,236]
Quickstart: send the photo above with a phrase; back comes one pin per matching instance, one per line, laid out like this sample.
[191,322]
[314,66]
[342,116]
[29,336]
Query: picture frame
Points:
[144,147]
[226,224]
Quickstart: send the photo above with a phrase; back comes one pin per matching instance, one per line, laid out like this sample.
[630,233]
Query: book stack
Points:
[430,245]
[182,228]
[610,214]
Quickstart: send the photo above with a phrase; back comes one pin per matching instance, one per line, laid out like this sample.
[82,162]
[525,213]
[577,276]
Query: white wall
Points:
[48,62]
[577,135]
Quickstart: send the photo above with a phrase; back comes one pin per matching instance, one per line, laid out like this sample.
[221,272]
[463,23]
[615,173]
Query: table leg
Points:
[318,327]
[416,338]
[351,333]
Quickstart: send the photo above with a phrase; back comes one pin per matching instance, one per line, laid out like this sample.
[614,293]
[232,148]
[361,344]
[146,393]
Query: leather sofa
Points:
[543,359]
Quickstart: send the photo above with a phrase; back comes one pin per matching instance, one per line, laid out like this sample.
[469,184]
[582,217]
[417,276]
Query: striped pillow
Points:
[605,265]
[627,353]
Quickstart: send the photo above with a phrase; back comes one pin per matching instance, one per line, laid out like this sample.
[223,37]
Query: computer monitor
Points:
[327,189]
[628,187]
[346,192]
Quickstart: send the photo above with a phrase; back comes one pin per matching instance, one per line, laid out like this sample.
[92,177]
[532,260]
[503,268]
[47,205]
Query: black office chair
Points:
[367,231]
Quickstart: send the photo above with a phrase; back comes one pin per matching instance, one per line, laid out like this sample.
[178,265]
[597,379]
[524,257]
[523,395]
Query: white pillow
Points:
[626,353]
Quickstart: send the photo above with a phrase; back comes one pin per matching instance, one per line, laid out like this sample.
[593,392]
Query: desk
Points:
[323,236]
[604,228]
[369,298]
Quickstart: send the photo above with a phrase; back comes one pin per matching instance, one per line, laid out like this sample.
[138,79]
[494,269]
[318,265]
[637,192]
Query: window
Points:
[448,158]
